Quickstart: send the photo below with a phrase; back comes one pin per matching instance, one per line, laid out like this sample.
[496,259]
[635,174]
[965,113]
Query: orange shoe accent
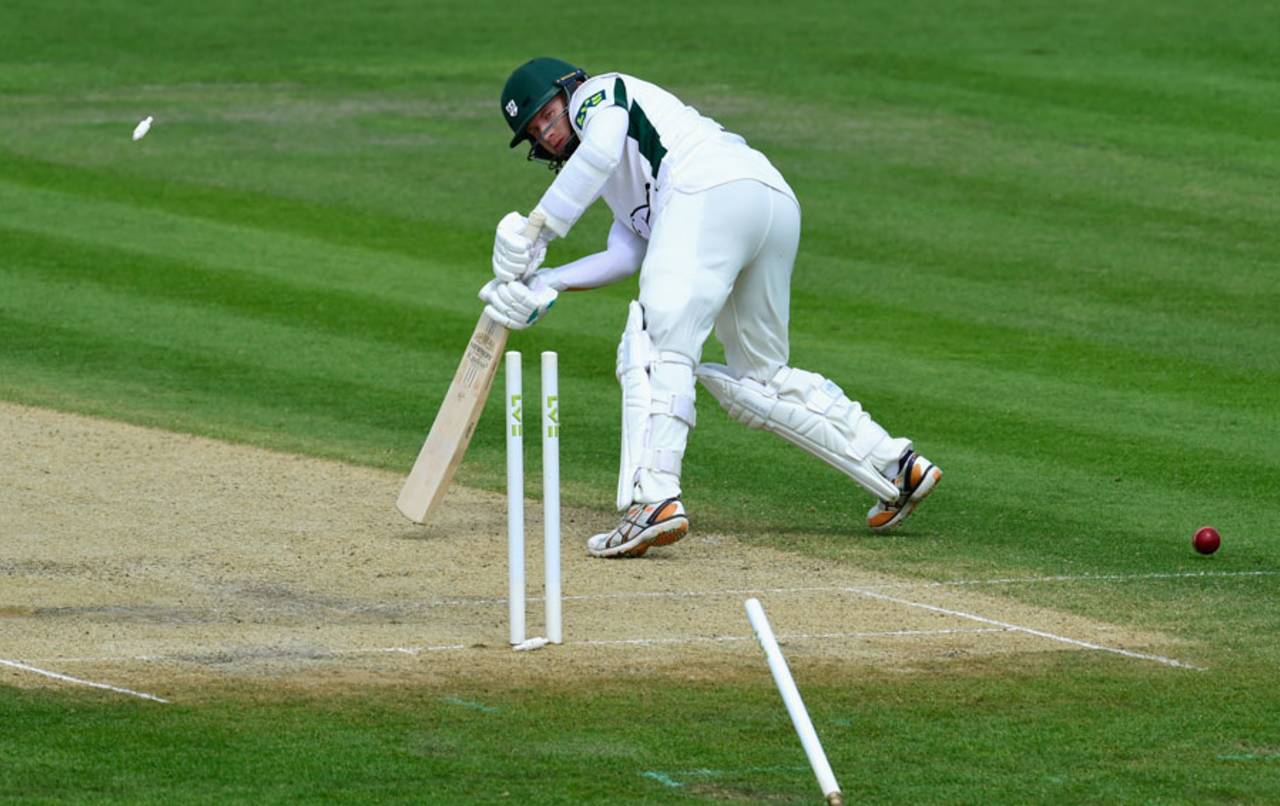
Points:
[667,538]
[917,475]
[667,512]
[881,518]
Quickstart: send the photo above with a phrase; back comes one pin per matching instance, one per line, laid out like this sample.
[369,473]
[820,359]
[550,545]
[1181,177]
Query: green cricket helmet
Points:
[529,88]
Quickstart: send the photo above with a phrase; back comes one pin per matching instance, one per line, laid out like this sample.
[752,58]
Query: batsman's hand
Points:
[516,305]
[515,256]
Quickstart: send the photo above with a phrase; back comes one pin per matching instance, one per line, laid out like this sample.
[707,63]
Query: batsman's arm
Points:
[620,259]
[582,178]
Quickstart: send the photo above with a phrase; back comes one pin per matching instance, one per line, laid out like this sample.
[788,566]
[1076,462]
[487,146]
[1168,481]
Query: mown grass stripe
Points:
[348,226]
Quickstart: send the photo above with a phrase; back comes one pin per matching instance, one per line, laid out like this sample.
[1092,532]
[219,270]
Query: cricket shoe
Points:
[644,525]
[915,479]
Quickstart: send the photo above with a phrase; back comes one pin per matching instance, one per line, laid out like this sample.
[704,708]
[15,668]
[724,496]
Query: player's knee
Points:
[751,368]
[665,319]
[663,311]
[673,319]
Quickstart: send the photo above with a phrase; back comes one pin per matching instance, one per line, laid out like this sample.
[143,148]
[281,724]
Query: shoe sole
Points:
[641,544]
[673,536]
[931,478]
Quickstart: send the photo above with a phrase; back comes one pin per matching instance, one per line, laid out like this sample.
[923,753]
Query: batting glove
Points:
[515,256]
[516,305]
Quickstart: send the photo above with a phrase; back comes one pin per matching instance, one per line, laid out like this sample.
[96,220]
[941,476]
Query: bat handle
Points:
[532,230]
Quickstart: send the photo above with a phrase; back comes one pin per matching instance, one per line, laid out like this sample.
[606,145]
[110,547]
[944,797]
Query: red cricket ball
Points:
[1206,540]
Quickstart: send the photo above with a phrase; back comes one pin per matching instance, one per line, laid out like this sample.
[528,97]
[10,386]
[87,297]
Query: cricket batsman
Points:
[713,229]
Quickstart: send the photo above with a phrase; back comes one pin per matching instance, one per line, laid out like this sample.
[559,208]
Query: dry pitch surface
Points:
[167,564]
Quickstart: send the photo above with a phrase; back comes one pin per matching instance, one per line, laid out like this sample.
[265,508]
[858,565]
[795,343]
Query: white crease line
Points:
[69,679]
[418,650]
[584,597]
[97,658]
[403,650]
[1084,578]
[189,658]
[786,638]
[1030,631]
[867,591]
[588,597]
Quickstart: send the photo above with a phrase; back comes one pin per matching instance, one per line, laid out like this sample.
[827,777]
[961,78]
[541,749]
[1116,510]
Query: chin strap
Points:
[539,154]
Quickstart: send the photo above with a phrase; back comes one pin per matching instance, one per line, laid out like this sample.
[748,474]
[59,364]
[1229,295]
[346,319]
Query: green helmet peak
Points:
[530,87]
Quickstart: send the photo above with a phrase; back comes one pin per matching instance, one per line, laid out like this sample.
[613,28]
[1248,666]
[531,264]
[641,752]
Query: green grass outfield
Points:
[1041,239]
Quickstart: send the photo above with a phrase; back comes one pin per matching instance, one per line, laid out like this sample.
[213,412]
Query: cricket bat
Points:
[456,420]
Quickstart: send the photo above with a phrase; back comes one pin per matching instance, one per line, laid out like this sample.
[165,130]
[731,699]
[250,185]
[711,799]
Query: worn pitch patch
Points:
[165,561]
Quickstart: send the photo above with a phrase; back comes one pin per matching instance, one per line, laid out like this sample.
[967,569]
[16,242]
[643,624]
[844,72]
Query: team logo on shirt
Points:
[594,100]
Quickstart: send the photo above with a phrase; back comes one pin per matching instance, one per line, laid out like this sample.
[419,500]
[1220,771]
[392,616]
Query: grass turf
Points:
[1100,733]
[1039,241]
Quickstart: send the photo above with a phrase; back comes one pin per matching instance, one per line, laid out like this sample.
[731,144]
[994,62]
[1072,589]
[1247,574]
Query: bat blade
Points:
[455,422]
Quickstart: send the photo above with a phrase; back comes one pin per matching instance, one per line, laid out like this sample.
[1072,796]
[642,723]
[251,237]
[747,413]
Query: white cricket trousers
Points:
[723,257]
[718,258]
